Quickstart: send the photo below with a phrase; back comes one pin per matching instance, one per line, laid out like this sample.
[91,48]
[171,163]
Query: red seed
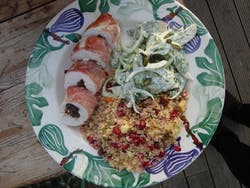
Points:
[142,140]
[146,164]
[109,157]
[162,154]
[125,146]
[173,114]
[121,113]
[136,142]
[133,136]
[177,148]
[101,151]
[121,104]
[91,139]
[115,145]
[96,145]
[109,85]
[164,102]
[151,147]
[142,124]
[117,131]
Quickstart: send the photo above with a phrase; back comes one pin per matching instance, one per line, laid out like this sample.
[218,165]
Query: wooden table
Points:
[23,161]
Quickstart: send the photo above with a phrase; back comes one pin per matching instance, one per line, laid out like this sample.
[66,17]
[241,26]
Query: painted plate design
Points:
[45,92]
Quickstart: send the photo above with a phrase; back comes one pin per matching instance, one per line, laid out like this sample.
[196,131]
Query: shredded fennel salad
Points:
[153,64]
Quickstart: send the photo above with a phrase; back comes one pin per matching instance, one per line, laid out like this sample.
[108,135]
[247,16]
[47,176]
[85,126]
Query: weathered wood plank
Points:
[243,8]
[18,36]
[234,42]
[10,9]
[201,180]
[197,167]
[201,10]
[158,185]
[198,172]
[220,172]
[22,159]
[178,181]
[91,185]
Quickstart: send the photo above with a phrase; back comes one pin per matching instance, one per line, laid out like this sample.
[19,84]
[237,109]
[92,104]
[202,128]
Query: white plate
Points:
[45,92]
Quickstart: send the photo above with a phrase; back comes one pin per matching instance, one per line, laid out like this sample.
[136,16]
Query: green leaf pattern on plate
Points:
[70,165]
[144,179]
[206,128]
[41,48]
[35,113]
[215,77]
[51,137]
[87,5]
[74,37]
[156,4]
[91,5]
[104,6]
[99,172]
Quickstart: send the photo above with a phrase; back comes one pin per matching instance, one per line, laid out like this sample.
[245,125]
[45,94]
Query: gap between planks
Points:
[10,9]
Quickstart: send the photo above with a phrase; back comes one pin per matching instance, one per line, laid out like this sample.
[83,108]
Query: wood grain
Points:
[29,162]
[10,9]
[198,174]
[201,10]
[234,42]
[197,167]
[243,9]
[178,181]
[221,174]
[201,180]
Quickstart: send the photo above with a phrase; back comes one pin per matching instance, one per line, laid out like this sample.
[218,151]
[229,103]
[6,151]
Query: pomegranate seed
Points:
[142,140]
[96,145]
[121,104]
[142,124]
[121,113]
[125,146]
[109,85]
[146,164]
[151,147]
[109,157]
[136,142]
[133,136]
[115,145]
[162,154]
[157,111]
[117,131]
[91,139]
[177,148]
[164,102]
[173,114]
[101,151]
